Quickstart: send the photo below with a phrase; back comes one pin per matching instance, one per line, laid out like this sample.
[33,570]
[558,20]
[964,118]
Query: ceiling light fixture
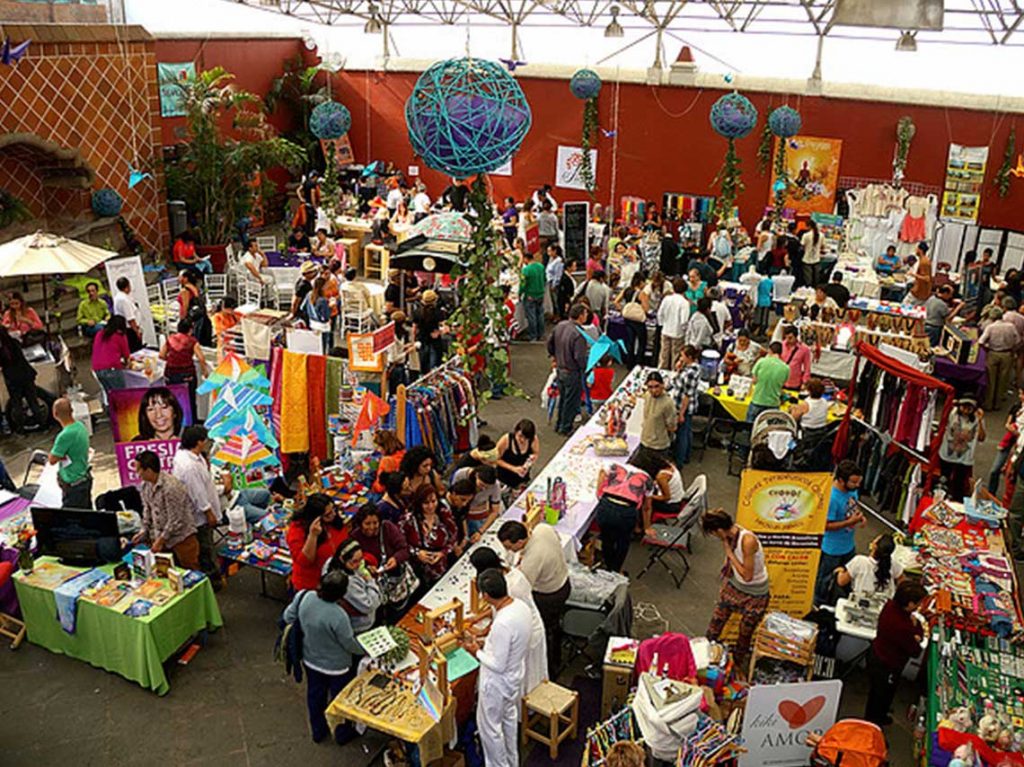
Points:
[373,26]
[907,42]
[614,28]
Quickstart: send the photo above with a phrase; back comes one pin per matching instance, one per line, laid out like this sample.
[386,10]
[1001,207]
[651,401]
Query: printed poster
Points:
[131,268]
[788,512]
[965,175]
[156,413]
[812,165]
[126,452]
[568,164]
[778,718]
[170,77]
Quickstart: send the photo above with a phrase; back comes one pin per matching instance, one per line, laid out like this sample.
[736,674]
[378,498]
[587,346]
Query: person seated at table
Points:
[744,353]
[313,535]
[328,649]
[812,413]
[822,308]
[255,262]
[298,241]
[897,640]
[322,246]
[430,532]
[110,354]
[391,505]
[363,597]
[226,316]
[93,311]
[19,317]
[184,254]
[874,572]
[668,494]
[888,263]
[255,502]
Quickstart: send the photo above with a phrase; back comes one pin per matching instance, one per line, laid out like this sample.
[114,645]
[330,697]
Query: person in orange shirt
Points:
[391,451]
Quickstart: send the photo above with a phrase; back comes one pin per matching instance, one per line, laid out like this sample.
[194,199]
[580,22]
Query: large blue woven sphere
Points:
[784,122]
[466,116]
[585,84]
[330,120]
[106,202]
[733,116]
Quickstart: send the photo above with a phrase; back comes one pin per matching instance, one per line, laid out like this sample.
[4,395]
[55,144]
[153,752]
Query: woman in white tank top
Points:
[668,495]
[745,580]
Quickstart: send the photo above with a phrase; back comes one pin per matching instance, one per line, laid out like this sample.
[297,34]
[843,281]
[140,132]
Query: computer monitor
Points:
[77,537]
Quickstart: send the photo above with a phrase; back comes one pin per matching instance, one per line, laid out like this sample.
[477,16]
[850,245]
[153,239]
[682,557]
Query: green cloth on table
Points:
[135,648]
[72,443]
[93,311]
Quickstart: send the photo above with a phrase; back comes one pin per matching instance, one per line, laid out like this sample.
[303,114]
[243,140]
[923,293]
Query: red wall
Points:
[665,142]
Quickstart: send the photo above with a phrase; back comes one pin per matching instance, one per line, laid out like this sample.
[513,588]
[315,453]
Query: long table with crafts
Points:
[127,619]
[975,661]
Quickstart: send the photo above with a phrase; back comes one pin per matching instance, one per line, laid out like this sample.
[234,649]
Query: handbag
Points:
[634,312]
[397,587]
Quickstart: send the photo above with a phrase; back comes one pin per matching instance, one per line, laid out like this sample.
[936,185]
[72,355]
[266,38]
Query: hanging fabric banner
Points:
[170,77]
[568,166]
[965,175]
[812,170]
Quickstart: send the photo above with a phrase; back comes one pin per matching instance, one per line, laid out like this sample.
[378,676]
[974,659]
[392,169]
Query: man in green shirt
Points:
[769,374]
[71,450]
[93,312]
[532,283]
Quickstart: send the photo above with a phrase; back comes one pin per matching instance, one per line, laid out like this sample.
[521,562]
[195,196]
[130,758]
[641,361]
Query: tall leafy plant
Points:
[1002,178]
[12,210]
[299,89]
[587,140]
[214,173]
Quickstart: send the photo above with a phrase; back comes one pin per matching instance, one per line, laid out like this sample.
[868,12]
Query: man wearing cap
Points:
[922,287]
[1001,341]
[429,333]
[304,285]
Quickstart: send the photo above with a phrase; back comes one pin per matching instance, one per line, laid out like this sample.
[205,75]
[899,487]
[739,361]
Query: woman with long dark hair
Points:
[517,450]
[431,534]
[812,245]
[20,378]
[160,415]
[418,464]
[874,573]
[313,535]
[110,353]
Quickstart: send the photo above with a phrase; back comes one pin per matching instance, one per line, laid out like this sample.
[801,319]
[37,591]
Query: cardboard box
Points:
[616,683]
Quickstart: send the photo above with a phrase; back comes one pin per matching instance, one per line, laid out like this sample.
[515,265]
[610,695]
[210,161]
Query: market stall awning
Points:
[421,254]
[43,253]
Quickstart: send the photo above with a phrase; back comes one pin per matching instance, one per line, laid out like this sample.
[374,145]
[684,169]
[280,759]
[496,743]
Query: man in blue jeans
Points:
[685,391]
[838,545]
[769,375]
[532,286]
[569,349]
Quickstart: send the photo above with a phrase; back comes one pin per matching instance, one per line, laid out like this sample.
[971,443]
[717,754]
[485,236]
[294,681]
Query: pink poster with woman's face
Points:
[156,413]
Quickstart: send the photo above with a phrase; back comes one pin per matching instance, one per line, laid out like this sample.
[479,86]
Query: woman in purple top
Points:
[110,353]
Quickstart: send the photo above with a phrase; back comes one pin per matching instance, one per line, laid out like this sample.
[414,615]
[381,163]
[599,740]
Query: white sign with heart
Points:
[779,717]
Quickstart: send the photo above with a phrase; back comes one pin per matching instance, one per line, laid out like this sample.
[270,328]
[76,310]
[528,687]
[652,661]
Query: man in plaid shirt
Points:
[684,391]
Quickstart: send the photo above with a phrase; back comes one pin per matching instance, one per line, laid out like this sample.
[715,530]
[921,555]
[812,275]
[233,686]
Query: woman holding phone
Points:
[313,536]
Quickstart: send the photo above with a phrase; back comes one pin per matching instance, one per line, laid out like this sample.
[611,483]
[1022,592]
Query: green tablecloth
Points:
[135,648]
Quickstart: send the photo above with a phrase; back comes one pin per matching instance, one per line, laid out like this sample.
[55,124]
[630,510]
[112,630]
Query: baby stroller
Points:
[849,743]
[772,440]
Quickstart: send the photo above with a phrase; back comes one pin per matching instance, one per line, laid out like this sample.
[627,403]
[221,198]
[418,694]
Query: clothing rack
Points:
[620,726]
[683,206]
[444,405]
[710,744]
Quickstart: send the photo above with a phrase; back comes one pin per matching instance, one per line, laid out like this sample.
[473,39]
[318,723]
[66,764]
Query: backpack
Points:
[288,647]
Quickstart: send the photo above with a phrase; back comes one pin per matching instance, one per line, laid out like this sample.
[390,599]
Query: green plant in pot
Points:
[213,170]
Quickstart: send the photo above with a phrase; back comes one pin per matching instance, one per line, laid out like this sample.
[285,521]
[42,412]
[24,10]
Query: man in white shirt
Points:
[721,312]
[501,671]
[673,314]
[125,307]
[420,203]
[395,197]
[543,195]
[191,467]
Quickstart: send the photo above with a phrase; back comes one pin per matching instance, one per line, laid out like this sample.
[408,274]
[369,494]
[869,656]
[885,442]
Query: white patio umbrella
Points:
[41,253]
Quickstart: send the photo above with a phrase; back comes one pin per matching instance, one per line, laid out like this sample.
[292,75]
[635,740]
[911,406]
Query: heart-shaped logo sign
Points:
[797,715]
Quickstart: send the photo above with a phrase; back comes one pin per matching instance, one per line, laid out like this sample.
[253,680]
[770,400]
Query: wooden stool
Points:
[352,251]
[376,260]
[13,629]
[550,702]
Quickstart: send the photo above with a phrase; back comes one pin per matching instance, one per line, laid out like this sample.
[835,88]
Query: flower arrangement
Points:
[23,537]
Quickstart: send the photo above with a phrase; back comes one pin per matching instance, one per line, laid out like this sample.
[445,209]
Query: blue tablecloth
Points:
[276,258]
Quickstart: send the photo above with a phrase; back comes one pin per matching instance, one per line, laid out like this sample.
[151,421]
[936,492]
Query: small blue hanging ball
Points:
[728,77]
[779,186]
[106,202]
[585,84]
[733,116]
[784,122]
[330,120]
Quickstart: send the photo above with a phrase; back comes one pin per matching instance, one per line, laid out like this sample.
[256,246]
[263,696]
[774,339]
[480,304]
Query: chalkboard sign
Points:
[577,219]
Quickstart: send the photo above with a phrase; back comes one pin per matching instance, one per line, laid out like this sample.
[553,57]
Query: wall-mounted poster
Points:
[170,77]
[568,163]
[812,166]
[965,175]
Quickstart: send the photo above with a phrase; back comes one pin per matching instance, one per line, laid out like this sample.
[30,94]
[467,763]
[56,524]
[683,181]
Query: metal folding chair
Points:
[673,539]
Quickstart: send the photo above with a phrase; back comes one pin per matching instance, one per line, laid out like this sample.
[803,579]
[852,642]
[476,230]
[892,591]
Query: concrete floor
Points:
[233,705]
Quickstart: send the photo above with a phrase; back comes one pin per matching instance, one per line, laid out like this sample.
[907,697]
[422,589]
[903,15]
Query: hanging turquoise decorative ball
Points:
[779,186]
[733,116]
[585,84]
[784,122]
[330,120]
[466,116]
[106,203]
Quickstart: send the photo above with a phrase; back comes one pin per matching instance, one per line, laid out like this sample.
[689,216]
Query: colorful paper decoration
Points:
[373,409]
[733,116]
[136,177]
[601,348]
[330,120]
[466,116]
[785,122]
[585,84]
[12,53]
[106,203]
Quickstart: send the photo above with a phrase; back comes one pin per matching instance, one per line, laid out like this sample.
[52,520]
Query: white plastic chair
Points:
[356,313]
[216,287]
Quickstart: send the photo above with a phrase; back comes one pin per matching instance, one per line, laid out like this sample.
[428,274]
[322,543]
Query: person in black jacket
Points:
[20,378]
[837,291]
[795,251]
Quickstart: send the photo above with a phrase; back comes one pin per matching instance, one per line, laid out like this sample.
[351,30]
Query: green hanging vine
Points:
[1002,179]
[481,312]
[587,139]
[730,183]
[764,149]
[781,179]
[905,130]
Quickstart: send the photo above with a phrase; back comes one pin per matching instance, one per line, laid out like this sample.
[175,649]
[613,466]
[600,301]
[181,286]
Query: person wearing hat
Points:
[428,331]
[964,430]
[303,287]
[1001,342]
[398,353]
[922,287]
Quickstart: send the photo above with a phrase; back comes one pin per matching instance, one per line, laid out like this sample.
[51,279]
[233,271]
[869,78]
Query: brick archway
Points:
[53,182]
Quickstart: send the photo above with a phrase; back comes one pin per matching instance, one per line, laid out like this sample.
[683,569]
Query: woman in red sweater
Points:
[314,534]
[898,640]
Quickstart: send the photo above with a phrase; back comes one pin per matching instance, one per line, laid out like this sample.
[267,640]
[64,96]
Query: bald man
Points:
[71,451]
